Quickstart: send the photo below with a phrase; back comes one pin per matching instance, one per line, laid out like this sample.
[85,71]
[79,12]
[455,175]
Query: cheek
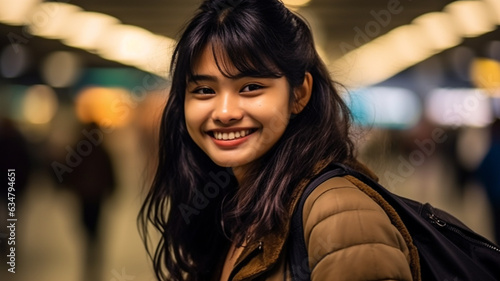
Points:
[191,117]
[274,120]
[278,121]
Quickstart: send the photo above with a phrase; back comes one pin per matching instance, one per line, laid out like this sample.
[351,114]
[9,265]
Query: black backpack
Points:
[448,250]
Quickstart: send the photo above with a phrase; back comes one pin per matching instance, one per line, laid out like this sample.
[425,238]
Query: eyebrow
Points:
[210,78]
[200,77]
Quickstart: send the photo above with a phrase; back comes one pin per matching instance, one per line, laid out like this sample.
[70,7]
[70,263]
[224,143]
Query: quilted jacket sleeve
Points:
[350,237]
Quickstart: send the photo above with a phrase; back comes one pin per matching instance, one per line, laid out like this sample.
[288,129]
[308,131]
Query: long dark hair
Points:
[198,206]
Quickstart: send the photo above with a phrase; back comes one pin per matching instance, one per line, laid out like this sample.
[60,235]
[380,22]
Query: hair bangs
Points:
[239,55]
[237,46]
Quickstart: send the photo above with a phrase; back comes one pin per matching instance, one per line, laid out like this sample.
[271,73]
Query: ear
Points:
[302,94]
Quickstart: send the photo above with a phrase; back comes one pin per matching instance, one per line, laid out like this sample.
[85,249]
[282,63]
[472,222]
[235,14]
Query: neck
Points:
[239,173]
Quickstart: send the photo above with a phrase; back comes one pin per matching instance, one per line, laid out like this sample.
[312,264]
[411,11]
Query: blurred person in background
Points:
[92,181]
[488,174]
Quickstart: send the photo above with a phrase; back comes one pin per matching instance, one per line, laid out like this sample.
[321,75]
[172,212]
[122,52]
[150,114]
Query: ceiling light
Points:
[494,8]
[125,43]
[84,29]
[439,29]
[471,17]
[408,45]
[366,65]
[384,56]
[15,12]
[49,19]
[158,56]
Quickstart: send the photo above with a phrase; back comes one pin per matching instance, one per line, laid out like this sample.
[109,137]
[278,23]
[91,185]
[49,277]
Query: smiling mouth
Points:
[231,135]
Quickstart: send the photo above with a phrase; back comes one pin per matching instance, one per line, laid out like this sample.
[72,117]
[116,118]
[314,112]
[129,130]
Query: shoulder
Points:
[344,226]
[339,197]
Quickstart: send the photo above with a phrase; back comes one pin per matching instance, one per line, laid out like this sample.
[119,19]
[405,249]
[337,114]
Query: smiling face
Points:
[234,120]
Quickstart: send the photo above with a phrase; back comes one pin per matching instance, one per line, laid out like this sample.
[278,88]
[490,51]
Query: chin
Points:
[229,163]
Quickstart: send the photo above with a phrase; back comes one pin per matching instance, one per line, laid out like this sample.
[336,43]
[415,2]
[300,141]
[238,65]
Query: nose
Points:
[227,108]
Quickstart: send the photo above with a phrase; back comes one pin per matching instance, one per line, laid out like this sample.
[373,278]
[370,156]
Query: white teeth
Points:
[231,135]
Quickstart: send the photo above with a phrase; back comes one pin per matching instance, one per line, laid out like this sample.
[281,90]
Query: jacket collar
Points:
[262,255]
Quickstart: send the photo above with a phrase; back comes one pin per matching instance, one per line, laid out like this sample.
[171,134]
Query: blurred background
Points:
[82,84]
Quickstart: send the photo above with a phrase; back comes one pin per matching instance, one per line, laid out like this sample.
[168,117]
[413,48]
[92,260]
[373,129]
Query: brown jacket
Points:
[351,234]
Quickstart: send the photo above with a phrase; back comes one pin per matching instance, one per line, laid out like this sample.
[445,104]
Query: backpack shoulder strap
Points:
[298,258]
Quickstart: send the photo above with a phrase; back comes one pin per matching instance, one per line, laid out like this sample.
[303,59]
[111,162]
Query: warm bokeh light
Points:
[494,8]
[40,104]
[125,43]
[14,12]
[138,47]
[50,18]
[95,32]
[384,57]
[485,74]
[61,69]
[407,45]
[472,18]
[439,30]
[85,28]
[108,107]
[158,56]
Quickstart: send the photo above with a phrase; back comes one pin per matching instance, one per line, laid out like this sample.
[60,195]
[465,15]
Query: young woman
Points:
[251,118]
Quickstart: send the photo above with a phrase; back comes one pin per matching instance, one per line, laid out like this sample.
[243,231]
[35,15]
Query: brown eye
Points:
[203,91]
[251,87]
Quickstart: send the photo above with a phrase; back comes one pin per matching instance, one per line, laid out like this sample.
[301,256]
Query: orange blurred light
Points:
[108,107]
[485,74]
